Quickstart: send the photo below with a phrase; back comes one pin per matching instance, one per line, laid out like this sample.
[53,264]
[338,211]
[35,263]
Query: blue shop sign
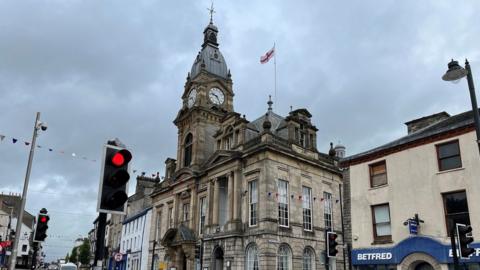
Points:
[394,255]
[412,226]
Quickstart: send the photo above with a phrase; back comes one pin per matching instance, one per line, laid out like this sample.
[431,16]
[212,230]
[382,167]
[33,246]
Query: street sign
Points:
[412,226]
[118,257]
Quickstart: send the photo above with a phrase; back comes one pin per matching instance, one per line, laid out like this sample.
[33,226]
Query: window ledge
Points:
[378,187]
[380,242]
[451,170]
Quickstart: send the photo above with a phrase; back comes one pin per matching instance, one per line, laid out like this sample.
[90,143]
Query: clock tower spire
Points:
[207,98]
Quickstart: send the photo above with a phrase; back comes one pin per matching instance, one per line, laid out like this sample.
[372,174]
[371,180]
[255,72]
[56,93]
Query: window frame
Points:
[251,205]
[287,204]
[250,248]
[382,238]
[289,256]
[437,147]
[370,169]
[202,218]
[188,150]
[328,200]
[171,222]
[445,214]
[185,212]
[310,206]
[312,258]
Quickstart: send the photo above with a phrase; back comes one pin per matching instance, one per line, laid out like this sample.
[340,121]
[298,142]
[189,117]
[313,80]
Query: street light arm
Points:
[473,99]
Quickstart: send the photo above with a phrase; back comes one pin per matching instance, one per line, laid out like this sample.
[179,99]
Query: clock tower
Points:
[206,99]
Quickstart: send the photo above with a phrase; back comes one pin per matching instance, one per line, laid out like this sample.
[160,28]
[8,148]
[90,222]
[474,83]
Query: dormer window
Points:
[188,150]
[302,136]
[302,139]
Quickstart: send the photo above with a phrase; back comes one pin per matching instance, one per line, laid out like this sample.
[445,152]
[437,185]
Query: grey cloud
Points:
[117,69]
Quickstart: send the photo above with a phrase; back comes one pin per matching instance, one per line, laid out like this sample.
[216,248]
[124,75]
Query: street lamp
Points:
[456,72]
[38,125]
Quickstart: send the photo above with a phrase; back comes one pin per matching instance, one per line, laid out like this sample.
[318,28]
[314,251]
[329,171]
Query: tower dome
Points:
[210,58]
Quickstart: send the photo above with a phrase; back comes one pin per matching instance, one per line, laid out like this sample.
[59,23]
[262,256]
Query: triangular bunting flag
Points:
[74,155]
[27,143]
[14,140]
[50,149]
[2,137]
[39,146]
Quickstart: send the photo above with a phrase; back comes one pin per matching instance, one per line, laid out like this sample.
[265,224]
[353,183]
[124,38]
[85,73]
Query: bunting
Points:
[62,152]
[293,196]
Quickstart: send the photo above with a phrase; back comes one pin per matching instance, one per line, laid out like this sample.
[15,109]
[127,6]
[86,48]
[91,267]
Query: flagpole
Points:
[275,70]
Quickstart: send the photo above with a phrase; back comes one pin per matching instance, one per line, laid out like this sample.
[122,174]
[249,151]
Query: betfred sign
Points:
[476,253]
[374,256]
[395,254]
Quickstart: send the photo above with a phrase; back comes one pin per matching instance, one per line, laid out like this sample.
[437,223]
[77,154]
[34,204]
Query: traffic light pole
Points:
[454,248]
[34,256]
[100,242]
[13,256]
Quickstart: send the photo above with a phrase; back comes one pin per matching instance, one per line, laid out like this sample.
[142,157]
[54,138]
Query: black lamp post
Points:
[456,72]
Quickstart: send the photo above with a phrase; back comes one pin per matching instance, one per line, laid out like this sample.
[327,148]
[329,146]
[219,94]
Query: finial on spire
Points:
[270,102]
[211,10]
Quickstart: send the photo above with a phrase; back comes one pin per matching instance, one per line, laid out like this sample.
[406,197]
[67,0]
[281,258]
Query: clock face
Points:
[216,96]
[192,97]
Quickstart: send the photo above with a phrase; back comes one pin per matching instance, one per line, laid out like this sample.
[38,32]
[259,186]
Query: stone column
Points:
[236,195]
[193,204]
[230,215]
[214,201]
[208,218]
[176,215]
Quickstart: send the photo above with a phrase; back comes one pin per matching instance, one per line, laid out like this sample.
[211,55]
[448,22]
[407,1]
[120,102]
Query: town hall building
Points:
[242,194]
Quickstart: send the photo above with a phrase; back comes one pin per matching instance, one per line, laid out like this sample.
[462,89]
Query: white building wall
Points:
[25,233]
[415,185]
[134,241]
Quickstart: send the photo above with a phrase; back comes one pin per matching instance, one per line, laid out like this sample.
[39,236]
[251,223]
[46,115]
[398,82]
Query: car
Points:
[68,266]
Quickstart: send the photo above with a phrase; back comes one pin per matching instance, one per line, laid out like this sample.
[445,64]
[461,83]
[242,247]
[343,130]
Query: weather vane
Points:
[211,10]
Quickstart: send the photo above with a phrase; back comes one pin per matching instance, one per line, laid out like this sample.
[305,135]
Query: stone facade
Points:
[219,205]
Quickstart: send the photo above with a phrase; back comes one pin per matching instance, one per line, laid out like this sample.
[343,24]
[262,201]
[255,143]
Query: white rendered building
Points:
[135,240]
[433,172]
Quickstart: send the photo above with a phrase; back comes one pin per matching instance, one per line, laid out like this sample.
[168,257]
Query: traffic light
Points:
[114,180]
[464,240]
[331,244]
[41,228]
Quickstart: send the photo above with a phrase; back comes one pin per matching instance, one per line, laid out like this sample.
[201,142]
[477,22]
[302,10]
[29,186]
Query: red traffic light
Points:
[121,157]
[43,219]
[118,159]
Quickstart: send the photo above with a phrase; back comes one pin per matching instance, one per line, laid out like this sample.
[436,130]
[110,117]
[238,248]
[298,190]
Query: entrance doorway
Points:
[423,266]
[218,259]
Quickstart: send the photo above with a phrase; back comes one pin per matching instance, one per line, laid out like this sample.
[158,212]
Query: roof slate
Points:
[453,122]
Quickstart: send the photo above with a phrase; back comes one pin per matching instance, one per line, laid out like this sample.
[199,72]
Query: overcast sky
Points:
[103,69]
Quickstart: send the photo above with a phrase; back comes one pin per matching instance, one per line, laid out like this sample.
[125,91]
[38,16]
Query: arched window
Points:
[284,258]
[308,259]
[187,158]
[251,258]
